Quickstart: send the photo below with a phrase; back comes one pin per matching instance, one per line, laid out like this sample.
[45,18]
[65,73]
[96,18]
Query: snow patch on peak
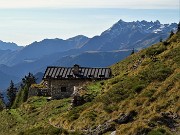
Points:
[141,26]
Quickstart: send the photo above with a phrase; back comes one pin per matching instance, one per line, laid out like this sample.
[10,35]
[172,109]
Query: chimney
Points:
[76,69]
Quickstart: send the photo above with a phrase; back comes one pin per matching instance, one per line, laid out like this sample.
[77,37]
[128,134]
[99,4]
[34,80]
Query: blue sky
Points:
[25,21]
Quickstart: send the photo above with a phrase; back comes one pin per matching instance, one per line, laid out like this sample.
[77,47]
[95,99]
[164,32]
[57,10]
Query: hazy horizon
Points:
[24,22]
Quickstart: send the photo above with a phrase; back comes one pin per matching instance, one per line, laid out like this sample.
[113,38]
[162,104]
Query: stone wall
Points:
[46,92]
[58,89]
[64,88]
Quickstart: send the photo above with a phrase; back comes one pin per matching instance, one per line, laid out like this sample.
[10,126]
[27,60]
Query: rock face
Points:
[113,133]
[101,129]
[125,118]
[110,125]
[169,119]
[143,131]
[77,100]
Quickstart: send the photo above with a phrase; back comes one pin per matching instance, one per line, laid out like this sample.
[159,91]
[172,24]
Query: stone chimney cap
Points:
[76,65]
[76,69]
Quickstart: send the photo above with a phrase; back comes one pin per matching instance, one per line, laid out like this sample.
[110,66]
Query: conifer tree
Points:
[29,79]
[132,51]
[11,93]
[22,95]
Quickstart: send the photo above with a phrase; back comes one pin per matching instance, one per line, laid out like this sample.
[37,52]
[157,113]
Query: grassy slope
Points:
[32,117]
[150,88]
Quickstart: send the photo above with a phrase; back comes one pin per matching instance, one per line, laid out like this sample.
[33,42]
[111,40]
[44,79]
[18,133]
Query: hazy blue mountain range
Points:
[9,46]
[93,59]
[43,48]
[122,35]
[5,79]
[105,49]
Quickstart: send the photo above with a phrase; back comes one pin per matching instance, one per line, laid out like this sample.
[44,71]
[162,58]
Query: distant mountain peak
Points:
[78,40]
[120,21]
[77,37]
[135,34]
[9,46]
[157,22]
[143,26]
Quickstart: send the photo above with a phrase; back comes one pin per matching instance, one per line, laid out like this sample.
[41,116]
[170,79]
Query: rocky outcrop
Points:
[113,133]
[101,129]
[142,131]
[125,118]
[169,119]
[110,125]
[77,101]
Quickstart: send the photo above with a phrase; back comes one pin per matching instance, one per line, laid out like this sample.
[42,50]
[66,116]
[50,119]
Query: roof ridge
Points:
[79,67]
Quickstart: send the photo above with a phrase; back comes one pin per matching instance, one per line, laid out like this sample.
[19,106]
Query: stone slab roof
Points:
[72,73]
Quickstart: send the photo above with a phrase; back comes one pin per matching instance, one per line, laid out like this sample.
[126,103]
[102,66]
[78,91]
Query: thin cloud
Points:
[133,4]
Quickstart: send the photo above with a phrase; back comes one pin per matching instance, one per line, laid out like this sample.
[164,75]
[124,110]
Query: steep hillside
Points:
[32,117]
[4,55]
[142,98]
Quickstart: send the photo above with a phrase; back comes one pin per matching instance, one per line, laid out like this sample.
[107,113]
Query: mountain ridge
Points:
[9,46]
[121,36]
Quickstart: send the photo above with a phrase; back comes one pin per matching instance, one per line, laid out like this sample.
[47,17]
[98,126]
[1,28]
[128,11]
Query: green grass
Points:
[159,131]
[32,116]
[42,131]
[150,89]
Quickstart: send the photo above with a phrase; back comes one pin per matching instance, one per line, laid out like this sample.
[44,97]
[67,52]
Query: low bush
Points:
[91,115]
[110,108]
[159,131]
[155,50]
[156,71]
[138,88]
[149,93]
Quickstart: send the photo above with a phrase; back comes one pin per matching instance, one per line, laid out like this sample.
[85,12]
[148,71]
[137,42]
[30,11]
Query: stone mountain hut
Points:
[61,82]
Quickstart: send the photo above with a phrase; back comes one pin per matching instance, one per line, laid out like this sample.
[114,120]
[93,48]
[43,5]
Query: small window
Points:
[63,89]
